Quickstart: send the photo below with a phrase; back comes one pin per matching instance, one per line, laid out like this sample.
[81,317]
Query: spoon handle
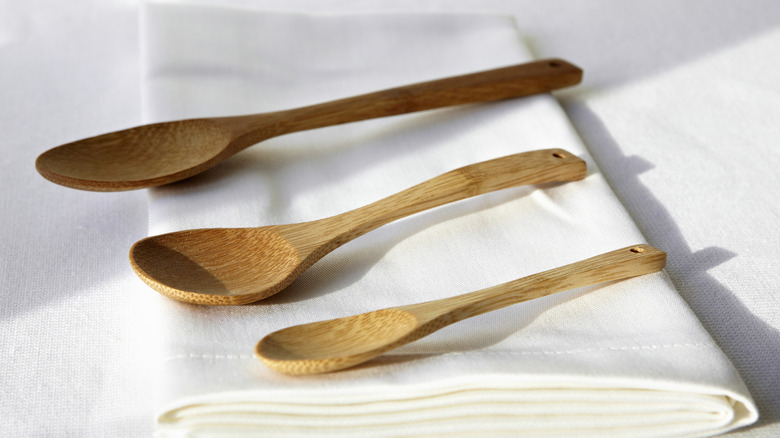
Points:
[534,167]
[624,263]
[503,83]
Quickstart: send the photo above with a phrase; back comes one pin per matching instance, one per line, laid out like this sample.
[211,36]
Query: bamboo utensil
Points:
[325,346]
[162,153]
[229,266]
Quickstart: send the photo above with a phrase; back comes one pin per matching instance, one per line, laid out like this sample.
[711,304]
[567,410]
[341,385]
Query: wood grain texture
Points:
[231,266]
[161,153]
[336,344]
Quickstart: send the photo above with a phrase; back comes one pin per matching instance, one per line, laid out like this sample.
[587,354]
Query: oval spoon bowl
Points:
[326,346]
[216,266]
[138,157]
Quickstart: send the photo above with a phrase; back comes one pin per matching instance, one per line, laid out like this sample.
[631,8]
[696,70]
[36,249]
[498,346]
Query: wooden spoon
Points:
[225,266]
[336,344]
[162,153]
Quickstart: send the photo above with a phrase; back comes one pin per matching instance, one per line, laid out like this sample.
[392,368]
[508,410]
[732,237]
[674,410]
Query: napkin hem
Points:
[331,13]
[239,356]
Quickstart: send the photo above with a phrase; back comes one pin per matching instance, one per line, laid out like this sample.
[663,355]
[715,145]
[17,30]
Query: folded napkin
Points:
[626,359]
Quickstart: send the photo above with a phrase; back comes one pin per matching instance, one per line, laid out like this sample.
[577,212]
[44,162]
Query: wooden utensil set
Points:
[223,266]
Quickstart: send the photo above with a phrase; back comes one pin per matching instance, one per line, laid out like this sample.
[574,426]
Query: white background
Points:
[680,107]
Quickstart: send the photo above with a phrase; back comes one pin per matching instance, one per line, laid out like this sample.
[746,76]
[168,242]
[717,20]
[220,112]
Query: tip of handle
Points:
[564,67]
[578,168]
[653,258]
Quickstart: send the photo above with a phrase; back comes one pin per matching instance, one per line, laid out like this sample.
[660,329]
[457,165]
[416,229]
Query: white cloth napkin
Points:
[625,359]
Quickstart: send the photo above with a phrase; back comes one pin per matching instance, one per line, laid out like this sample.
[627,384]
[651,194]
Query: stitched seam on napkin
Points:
[505,353]
[208,356]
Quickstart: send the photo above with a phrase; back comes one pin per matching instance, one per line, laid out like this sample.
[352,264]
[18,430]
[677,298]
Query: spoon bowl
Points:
[340,343]
[162,153]
[138,157]
[216,265]
[228,266]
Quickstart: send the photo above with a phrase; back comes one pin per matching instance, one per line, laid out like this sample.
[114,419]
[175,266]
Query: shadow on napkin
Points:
[351,150]
[349,263]
[688,268]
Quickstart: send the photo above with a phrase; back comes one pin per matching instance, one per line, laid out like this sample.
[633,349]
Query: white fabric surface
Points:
[692,151]
[73,359]
[72,348]
[630,358]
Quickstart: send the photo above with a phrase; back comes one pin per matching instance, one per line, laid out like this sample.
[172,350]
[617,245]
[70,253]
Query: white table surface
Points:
[699,179]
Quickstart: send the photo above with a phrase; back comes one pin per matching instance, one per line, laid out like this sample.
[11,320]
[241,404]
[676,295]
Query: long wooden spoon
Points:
[224,266]
[162,153]
[336,344]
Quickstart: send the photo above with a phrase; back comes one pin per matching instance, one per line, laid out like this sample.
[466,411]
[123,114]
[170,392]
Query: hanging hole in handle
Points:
[637,250]
[554,64]
[559,155]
